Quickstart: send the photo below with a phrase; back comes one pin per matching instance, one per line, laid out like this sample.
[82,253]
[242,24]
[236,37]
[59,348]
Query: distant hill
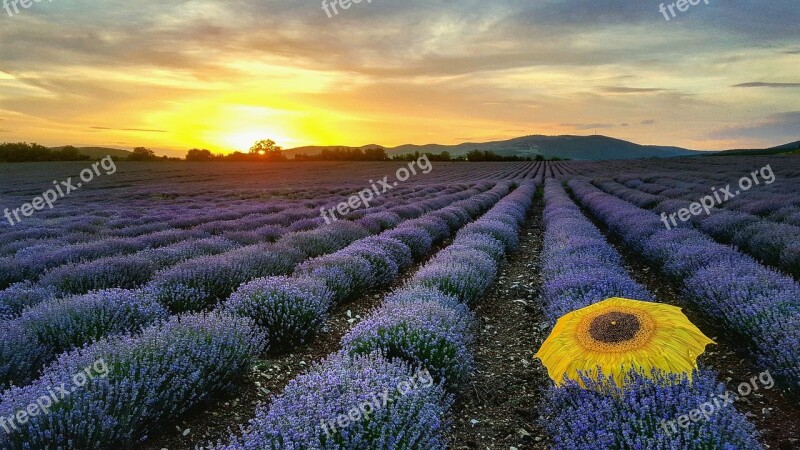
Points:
[317,149]
[791,148]
[571,147]
[100,152]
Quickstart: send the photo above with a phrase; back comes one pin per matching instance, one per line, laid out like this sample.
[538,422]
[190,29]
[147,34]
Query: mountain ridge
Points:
[596,147]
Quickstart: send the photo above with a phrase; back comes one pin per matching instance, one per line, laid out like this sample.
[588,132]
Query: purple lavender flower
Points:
[642,416]
[288,309]
[380,221]
[423,334]
[324,240]
[345,275]
[399,252]
[19,296]
[127,272]
[382,266]
[484,243]
[149,379]
[417,239]
[503,232]
[314,410]
[203,282]
[463,281]
[56,326]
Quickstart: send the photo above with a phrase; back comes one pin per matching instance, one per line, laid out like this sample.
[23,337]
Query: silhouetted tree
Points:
[267,149]
[197,154]
[142,154]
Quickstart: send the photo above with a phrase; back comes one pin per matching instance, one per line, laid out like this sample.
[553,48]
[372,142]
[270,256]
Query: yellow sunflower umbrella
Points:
[617,335]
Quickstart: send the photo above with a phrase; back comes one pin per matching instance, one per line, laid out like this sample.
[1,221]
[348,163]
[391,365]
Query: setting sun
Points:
[243,140]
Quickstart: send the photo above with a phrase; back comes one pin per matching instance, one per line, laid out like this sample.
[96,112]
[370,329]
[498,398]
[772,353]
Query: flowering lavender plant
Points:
[151,378]
[288,309]
[423,334]
[351,403]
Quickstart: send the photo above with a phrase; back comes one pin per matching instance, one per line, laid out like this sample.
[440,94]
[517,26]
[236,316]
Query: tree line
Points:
[24,152]
[264,150]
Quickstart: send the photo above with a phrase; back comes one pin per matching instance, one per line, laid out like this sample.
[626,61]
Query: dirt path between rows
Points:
[498,410]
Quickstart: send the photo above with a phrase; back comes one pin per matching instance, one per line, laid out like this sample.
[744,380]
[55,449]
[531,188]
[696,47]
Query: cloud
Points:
[776,127]
[142,130]
[588,126]
[768,85]
[630,90]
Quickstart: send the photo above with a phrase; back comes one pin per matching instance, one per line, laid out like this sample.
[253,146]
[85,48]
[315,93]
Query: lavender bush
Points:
[17,297]
[151,379]
[345,275]
[287,309]
[306,414]
[423,334]
[203,282]
[55,326]
[638,416]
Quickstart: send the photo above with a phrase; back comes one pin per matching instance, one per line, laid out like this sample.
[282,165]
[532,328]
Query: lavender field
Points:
[179,305]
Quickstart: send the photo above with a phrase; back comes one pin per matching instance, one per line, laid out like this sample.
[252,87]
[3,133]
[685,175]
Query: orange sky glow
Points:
[209,74]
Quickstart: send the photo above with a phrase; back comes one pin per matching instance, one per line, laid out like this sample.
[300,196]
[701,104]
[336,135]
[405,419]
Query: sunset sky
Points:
[172,75]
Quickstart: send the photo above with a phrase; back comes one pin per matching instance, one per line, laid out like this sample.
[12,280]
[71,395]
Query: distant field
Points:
[208,289]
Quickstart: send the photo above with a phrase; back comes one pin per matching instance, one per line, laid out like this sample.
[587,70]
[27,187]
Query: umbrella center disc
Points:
[615,330]
[614,327]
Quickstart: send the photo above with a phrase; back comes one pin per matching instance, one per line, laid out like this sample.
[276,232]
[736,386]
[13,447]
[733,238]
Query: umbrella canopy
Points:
[618,335]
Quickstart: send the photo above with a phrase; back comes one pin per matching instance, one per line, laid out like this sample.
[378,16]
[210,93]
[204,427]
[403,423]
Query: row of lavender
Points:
[264,224]
[290,309]
[201,283]
[142,198]
[79,222]
[772,195]
[51,327]
[580,269]
[127,212]
[759,305]
[123,264]
[388,386]
[775,244]
[206,352]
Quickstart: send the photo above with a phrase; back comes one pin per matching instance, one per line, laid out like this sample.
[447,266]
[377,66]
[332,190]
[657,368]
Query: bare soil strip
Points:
[499,409]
